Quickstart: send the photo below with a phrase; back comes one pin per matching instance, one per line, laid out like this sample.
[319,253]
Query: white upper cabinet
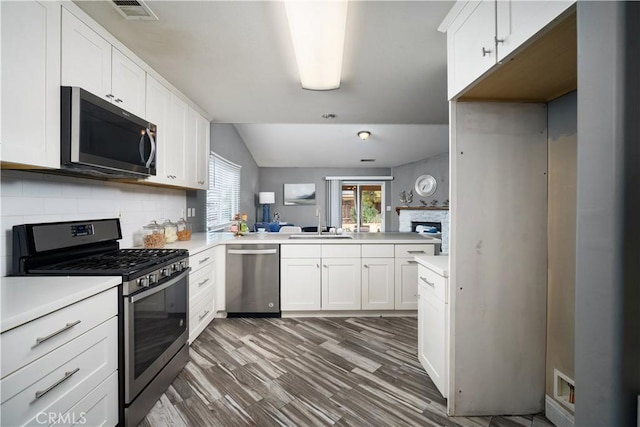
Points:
[158,110]
[92,63]
[196,151]
[128,83]
[482,33]
[175,145]
[31,83]
[518,21]
[471,44]
[202,152]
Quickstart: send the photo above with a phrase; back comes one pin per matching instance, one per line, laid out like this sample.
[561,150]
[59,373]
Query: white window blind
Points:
[223,195]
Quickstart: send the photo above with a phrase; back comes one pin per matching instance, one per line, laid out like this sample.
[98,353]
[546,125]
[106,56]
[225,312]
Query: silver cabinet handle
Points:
[427,282]
[203,260]
[325,265]
[416,252]
[252,251]
[118,100]
[411,262]
[365,266]
[109,95]
[67,375]
[317,265]
[203,282]
[486,52]
[40,340]
[499,40]
[203,315]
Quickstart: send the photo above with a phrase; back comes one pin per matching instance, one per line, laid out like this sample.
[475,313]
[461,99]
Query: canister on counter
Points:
[184,229]
[153,235]
[170,231]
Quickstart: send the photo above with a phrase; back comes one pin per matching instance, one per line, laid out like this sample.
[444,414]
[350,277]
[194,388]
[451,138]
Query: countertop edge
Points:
[439,264]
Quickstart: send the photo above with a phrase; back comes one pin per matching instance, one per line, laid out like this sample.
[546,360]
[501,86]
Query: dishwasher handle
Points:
[252,251]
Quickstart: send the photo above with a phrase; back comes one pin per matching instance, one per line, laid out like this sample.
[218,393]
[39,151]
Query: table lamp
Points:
[266,198]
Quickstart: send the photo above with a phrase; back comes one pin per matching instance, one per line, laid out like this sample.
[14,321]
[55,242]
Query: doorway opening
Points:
[362,206]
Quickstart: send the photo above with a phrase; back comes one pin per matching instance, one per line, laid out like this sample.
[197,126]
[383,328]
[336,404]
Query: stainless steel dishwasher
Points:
[253,280]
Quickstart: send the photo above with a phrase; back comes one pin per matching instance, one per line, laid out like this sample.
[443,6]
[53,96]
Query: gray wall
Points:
[226,142]
[607,269]
[273,179]
[561,223]
[404,179]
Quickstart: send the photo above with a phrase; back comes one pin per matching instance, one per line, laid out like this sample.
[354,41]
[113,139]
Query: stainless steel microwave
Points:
[102,139]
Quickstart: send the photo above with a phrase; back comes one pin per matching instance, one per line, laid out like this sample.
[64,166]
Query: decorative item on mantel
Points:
[405,199]
[434,203]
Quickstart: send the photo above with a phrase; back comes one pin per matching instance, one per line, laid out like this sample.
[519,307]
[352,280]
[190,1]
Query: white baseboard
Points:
[555,413]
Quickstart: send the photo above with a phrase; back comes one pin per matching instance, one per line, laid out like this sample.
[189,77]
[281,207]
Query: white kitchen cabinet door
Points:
[471,45]
[86,57]
[377,283]
[220,253]
[518,21]
[432,330]
[300,284]
[341,284]
[31,83]
[128,84]
[175,145]
[202,153]
[406,284]
[157,112]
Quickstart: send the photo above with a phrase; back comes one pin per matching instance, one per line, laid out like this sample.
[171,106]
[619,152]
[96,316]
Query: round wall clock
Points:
[426,185]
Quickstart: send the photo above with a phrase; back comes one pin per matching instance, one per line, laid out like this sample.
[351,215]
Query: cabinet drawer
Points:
[377,251]
[61,378]
[99,407]
[409,251]
[433,284]
[201,310]
[340,251]
[300,251]
[20,345]
[201,281]
[201,259]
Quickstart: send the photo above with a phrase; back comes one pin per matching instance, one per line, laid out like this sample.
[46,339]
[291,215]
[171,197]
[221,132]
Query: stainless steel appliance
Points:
[153,310]
[100,138]
[253,280]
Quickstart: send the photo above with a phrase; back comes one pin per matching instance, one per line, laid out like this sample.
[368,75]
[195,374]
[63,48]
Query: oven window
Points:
[158,321]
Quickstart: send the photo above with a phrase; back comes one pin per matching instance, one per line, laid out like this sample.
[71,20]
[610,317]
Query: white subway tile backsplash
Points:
[31,197]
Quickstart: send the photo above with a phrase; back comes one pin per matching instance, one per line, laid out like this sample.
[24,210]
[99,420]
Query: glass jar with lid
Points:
[153,235]
[184,229]
[170,231]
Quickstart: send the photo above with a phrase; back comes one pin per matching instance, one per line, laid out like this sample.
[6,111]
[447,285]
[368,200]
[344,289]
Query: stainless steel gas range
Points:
[153,304]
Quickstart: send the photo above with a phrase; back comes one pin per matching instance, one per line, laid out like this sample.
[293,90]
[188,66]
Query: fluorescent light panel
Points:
[318,30]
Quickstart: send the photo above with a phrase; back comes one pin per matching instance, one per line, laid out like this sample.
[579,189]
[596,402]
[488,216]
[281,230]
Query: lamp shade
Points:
[267,197]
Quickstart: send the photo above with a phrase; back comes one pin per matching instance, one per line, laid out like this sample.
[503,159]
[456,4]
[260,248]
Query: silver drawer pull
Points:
[67,375]
[416,252]
[203,260]
[40,340]
[412,262]
[203,282]
[433,285]
[203,315]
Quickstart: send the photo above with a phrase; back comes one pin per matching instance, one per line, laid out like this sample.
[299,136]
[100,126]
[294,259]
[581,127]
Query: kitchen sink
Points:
[320,236]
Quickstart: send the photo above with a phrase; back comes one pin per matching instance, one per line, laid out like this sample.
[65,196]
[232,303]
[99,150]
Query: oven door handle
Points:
[151,291]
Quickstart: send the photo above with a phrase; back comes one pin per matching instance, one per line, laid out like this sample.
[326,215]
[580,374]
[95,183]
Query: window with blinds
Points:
[223,195]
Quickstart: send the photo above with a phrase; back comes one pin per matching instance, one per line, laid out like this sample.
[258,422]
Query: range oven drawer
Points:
[26,343]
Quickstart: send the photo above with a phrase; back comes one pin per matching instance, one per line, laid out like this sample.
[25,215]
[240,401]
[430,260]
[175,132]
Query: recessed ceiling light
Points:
[328,116]
[364,134]
[367,160]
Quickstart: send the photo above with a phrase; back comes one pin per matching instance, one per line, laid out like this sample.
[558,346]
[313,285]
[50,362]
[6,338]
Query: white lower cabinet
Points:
[75,380]
[341,289]
[433,327]
[378,283]
[300,284]
[406,272]
[202,291]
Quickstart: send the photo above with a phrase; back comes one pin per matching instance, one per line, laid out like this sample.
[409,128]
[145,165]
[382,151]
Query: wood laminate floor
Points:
[360,371]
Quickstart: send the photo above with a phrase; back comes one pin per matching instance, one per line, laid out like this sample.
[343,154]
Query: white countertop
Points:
[438,264]
[23,299]
[202,241]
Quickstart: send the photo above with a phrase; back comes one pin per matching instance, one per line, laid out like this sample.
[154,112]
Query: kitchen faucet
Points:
[319,220]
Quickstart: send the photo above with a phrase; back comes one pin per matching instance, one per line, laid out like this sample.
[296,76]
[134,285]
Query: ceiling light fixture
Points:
[328,116]
[364,135]
[317,30]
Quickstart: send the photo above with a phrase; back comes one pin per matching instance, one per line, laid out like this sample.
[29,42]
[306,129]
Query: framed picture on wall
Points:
[299,194]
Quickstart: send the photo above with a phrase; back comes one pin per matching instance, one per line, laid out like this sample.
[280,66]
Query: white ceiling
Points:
[236,61]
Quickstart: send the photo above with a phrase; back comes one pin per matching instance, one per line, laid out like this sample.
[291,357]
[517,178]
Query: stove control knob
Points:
[183,264]
[153,278]
[177,266]
[165,272]
[144,282]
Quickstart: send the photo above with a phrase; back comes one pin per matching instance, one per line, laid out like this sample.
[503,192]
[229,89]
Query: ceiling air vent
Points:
[134,10]
[367,160]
